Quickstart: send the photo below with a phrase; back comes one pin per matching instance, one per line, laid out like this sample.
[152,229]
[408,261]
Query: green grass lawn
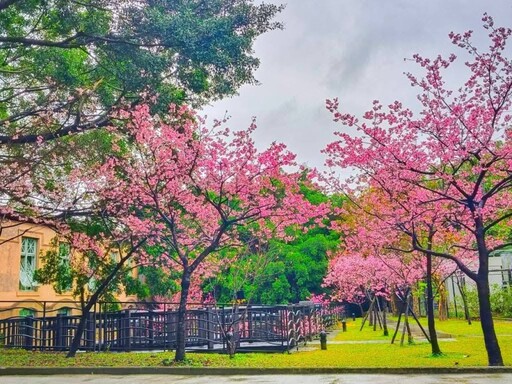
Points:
[354,334]
[457,327]
[466,349]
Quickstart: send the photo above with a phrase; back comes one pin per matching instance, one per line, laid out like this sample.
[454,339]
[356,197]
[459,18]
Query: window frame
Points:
[24,265]
[64,250]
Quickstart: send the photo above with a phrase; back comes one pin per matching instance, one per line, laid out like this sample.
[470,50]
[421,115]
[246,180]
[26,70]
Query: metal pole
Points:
[43,328]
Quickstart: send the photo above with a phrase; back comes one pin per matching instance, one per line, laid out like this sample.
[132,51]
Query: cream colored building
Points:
[21,244]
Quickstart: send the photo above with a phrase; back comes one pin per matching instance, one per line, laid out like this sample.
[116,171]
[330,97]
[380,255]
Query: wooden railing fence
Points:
[153,326]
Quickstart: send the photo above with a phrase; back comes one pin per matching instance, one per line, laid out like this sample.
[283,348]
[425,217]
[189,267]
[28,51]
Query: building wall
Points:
[43,298]
[500,275]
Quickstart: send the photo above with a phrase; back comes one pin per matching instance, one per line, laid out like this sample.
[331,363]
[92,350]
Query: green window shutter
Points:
[26,312]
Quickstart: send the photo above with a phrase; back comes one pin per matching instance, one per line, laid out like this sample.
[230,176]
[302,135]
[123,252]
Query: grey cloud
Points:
[353,49]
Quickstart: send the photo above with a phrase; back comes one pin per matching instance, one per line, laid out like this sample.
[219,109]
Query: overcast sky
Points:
[350,49]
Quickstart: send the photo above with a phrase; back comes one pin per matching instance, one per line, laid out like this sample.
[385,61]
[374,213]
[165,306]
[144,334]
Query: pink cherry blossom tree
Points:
[384,224]
[194,187]
[355,278]
[454,157]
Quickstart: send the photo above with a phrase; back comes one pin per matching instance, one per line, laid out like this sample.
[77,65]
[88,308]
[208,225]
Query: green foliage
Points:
[56,268]
[81,273]
[153,281]
[501,301]
[74,61]
[472,302]
[282,273]
[313,195]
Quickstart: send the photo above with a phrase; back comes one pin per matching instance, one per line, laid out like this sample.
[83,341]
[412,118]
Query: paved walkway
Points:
[264,379]
[415,330]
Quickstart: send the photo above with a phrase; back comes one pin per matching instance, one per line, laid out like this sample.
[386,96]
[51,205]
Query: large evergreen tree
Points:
[64,65]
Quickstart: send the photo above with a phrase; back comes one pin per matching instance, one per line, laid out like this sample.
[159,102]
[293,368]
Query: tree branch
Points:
[463,267]
[101,121]
[501,246]
[66,43]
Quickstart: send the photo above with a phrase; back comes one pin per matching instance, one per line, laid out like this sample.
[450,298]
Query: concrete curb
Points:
[42,371]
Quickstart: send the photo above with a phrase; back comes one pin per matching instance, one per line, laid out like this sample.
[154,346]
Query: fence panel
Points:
[139,328]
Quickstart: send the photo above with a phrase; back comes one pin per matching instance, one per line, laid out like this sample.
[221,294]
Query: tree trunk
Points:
[181,334]
[378,313]
[234,334]
[397,328]
[384,317]
[442,307]
[394,303]
[494,356]
[491,341]
[436,350]
[410,339]
[75,344]
[367,315]
[462,291]
[375,314]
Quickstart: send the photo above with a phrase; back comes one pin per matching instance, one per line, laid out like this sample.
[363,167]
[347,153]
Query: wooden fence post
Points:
[125,341]
[27,332]
[90,334]
[210,334]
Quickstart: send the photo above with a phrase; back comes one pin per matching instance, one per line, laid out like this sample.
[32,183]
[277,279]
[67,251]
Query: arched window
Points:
[64,311]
